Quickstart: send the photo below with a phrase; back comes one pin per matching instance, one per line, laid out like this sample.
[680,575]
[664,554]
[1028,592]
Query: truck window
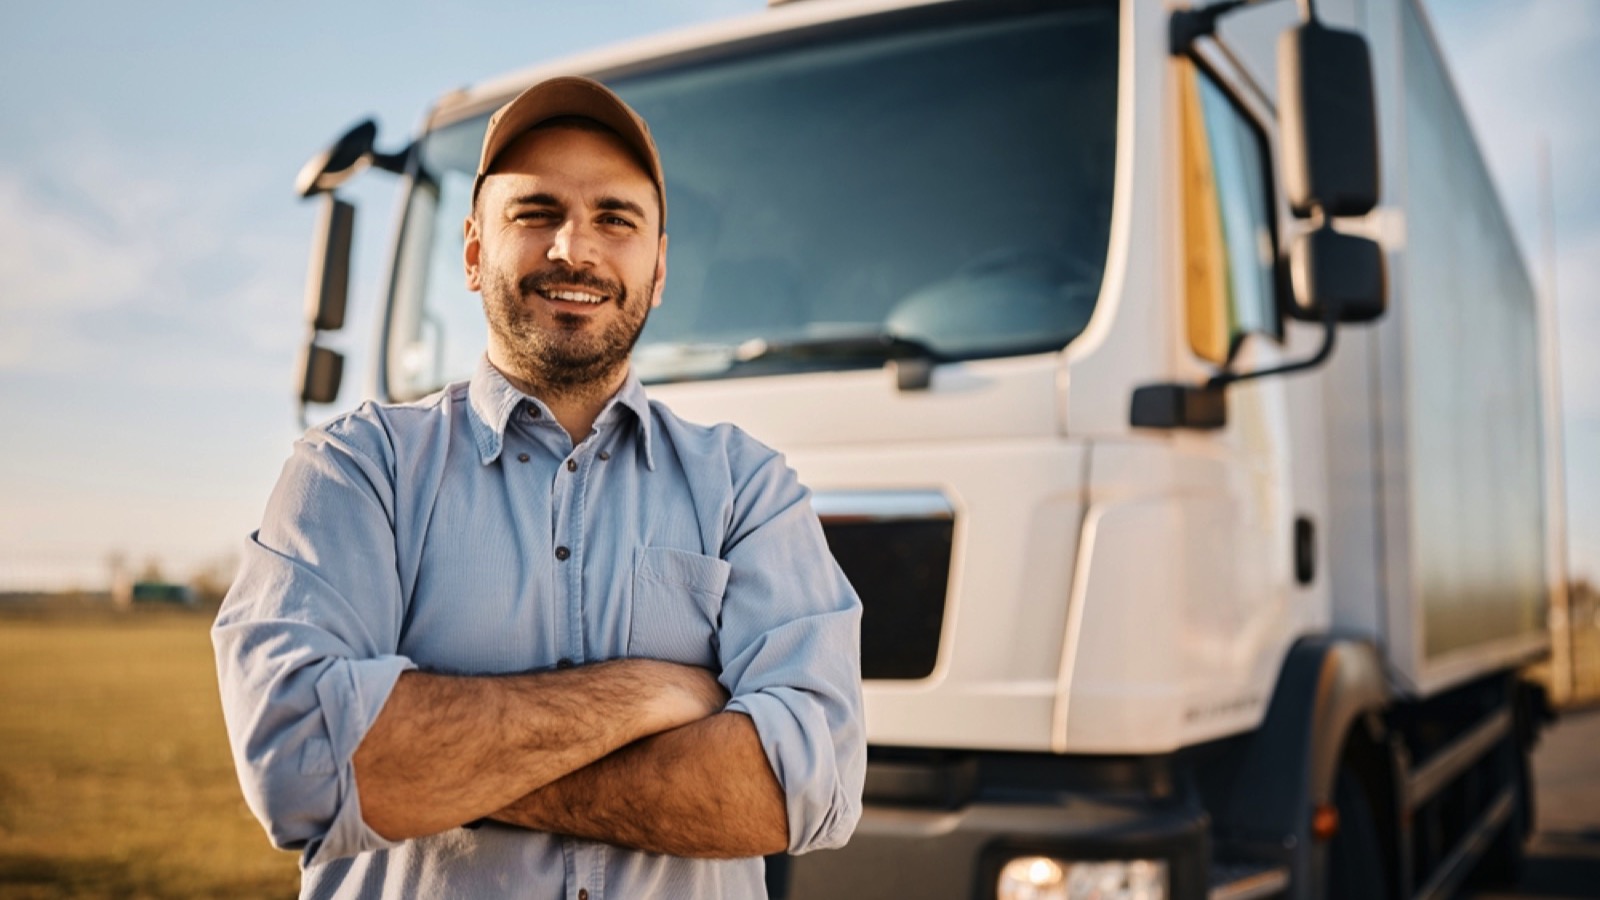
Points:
[1229,250]
[941,175]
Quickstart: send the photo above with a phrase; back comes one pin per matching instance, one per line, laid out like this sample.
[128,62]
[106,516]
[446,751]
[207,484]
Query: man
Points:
[534,635]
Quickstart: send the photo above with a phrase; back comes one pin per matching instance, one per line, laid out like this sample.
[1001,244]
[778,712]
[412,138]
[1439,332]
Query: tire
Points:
[1355,855]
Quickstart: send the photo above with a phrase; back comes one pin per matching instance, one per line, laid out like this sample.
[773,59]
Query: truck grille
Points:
[895,549]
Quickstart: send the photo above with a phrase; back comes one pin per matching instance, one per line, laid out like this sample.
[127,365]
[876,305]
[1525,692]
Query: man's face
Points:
[565,245]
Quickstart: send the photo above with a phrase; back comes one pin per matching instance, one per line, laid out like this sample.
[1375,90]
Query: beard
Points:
[572,355]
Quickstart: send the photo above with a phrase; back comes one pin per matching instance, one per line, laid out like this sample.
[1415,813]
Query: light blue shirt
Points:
[466,534]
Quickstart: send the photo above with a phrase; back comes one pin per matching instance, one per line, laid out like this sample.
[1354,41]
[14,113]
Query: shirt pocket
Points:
[677,605]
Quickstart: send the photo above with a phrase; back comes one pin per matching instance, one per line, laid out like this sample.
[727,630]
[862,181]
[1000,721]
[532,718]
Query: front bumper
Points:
[933,853]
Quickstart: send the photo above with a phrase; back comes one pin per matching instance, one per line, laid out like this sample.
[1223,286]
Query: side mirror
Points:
[322,371]
[1328,121]
[327,289]
[1337,272]
[328,276]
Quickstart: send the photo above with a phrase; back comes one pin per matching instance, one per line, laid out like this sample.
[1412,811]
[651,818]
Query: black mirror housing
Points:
[1328,120]
[338,161]
[328,277]
[322,371]
[1337,271]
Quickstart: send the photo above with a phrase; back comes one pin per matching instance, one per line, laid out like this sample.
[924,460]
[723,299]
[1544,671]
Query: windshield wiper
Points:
[913,360]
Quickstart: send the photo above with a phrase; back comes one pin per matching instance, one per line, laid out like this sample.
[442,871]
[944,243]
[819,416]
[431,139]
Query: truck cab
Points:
[1164,596]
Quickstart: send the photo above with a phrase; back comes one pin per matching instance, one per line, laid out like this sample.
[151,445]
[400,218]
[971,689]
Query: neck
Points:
[575,406]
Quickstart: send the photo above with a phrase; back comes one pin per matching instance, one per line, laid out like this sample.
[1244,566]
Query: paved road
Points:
[1564,857]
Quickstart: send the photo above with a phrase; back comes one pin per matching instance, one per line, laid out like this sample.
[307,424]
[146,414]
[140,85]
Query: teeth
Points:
[575,296]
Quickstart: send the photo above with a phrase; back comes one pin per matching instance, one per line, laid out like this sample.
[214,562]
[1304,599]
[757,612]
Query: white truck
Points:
[1165,595]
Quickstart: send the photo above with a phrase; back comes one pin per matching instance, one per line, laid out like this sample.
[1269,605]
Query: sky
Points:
[153,255]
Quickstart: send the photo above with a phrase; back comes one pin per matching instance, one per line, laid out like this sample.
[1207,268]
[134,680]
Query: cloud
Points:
[149,312]
[1523,60]
[157,270]
[1578,324]
[1526,72]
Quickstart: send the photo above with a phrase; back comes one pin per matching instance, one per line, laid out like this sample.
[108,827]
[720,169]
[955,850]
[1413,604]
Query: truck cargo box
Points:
[1439,544]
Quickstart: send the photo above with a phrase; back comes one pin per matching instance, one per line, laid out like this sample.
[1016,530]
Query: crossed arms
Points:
[344,747]
[632,752]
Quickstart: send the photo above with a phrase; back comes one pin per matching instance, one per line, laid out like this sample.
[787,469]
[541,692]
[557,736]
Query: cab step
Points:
[1247,881]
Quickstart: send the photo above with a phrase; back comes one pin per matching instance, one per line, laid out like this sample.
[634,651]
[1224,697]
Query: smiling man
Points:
[566,244]
[535,635]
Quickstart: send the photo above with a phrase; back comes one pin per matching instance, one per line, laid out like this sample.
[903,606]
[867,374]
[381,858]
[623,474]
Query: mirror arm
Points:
[1330,332]
[392,162]
[1189,25]
[1205,406]
[328,182]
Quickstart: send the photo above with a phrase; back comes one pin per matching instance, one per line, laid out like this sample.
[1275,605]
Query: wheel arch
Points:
[1326,707]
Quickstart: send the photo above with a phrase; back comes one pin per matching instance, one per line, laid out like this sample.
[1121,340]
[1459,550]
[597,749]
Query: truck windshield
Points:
[942,183]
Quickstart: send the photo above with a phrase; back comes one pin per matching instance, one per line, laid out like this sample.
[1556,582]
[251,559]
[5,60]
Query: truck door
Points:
[1241,543]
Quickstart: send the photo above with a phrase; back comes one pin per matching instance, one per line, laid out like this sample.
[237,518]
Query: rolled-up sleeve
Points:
[790,644]
[306,643]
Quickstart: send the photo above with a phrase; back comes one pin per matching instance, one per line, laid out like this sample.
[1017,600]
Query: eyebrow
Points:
[617,204]
[540,199]
[606,204]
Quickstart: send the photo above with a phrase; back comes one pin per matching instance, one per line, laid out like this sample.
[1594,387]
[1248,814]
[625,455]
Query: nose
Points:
[570,245]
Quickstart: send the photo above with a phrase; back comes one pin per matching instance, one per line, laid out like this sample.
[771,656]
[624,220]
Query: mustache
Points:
[561,276]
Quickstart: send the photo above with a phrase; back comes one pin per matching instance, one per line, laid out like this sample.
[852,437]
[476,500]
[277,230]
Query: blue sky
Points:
[154,256]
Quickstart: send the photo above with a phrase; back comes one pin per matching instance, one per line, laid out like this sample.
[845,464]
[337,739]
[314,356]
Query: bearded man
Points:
[534,635]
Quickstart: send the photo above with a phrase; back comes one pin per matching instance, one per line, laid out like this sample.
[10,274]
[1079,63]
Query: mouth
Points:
[574,297]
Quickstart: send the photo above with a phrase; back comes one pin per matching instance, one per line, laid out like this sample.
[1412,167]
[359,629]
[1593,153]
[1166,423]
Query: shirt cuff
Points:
[350,694]
[801,749]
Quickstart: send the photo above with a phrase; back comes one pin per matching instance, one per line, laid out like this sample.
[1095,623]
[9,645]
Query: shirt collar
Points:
[492,399]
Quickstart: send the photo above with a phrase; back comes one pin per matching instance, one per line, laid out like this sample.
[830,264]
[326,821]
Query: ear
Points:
[661,272]
[470,252]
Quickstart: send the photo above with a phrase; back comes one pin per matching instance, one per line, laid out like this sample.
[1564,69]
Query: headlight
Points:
[1044,878]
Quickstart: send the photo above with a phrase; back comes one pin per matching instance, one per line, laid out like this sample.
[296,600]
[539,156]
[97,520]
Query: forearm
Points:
[702,790]
[447,749]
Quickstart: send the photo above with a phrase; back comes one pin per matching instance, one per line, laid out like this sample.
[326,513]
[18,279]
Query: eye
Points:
[535,215]
[616,221]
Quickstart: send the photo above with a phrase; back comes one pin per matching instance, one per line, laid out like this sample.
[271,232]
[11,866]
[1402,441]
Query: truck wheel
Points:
[1355,856]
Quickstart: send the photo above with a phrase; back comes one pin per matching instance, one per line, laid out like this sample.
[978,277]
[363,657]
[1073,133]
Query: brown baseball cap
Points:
[571,95]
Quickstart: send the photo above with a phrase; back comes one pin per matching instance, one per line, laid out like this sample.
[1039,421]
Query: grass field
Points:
[115,777]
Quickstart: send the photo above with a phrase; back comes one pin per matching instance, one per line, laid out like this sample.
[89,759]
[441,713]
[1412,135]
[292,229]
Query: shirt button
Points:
[572,465]
[604,456]
[562,553]
[563,663]
[583,894]
[533,411]
[522,457]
